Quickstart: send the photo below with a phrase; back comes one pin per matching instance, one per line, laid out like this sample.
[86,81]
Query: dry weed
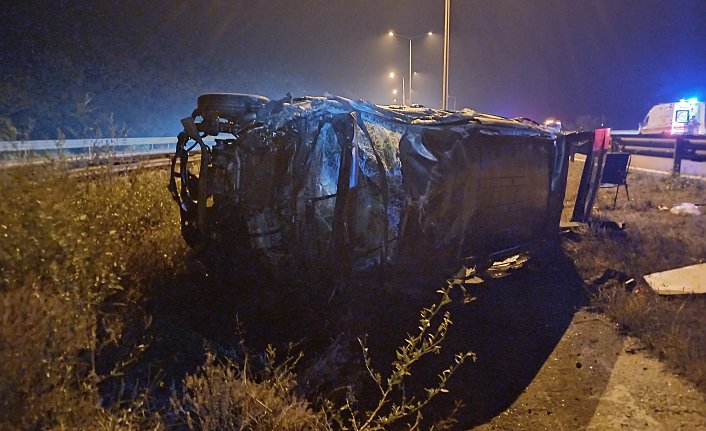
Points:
[225,396]
[67,247]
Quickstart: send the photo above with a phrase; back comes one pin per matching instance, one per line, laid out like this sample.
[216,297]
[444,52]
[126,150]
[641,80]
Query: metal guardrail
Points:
[89,145]
[677,148]
[84,155]
[110,158]
[121,154]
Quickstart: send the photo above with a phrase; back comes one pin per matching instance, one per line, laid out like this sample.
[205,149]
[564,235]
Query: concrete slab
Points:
[641,395]
[680,281]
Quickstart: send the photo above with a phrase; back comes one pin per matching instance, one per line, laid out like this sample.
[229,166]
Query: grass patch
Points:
[71,250]
[107,323]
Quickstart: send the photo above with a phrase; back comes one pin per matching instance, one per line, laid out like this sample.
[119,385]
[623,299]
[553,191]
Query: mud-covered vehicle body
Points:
[312,183]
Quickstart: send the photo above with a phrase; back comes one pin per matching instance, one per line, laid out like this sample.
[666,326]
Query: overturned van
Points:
[326,183]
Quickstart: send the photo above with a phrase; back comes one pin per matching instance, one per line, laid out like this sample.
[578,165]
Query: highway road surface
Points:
[663,164]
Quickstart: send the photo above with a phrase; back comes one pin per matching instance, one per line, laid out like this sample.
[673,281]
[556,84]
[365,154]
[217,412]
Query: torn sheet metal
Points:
[313,182]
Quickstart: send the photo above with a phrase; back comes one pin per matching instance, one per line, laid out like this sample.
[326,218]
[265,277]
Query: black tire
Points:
[229,105]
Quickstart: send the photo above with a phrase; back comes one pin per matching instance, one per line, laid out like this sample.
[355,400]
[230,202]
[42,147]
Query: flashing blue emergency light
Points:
[693,100]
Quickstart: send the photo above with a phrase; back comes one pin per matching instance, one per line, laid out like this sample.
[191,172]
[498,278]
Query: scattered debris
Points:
[680,281]
[466,275]
[572,230]
[626,280]
[607,225]
[500,269]
[565,225]
[505,267]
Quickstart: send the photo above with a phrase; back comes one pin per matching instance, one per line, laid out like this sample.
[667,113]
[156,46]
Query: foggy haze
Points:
[145,64]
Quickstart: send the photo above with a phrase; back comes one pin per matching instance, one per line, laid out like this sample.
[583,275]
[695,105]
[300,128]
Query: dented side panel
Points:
[485,194]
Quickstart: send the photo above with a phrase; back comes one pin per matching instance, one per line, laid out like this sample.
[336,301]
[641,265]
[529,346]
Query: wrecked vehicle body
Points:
[313,183]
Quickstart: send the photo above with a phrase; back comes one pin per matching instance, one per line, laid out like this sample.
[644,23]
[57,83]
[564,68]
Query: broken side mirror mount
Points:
[192,131]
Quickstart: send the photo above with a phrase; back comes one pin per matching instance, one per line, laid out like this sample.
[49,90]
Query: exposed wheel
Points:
[228,105]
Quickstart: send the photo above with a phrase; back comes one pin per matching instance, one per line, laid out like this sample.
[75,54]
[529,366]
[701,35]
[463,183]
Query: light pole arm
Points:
[410,39]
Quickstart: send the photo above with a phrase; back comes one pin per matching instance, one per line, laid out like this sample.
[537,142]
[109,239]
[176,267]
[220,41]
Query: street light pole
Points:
[403,101]
[445,72]
[410,72]
[392,76]
[410,39]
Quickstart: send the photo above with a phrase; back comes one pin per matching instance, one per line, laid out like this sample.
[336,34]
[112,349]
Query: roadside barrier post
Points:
[679,148]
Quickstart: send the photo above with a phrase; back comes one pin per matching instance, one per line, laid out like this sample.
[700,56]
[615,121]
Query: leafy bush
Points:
[394,404]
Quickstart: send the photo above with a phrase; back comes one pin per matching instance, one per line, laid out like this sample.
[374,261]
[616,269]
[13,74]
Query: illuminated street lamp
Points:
[392,76]
[410,39]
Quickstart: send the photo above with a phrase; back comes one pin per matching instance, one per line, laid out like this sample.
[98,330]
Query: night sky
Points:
[147,63]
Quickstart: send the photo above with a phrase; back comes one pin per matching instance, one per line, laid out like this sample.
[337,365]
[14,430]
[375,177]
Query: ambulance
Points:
[685,117]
